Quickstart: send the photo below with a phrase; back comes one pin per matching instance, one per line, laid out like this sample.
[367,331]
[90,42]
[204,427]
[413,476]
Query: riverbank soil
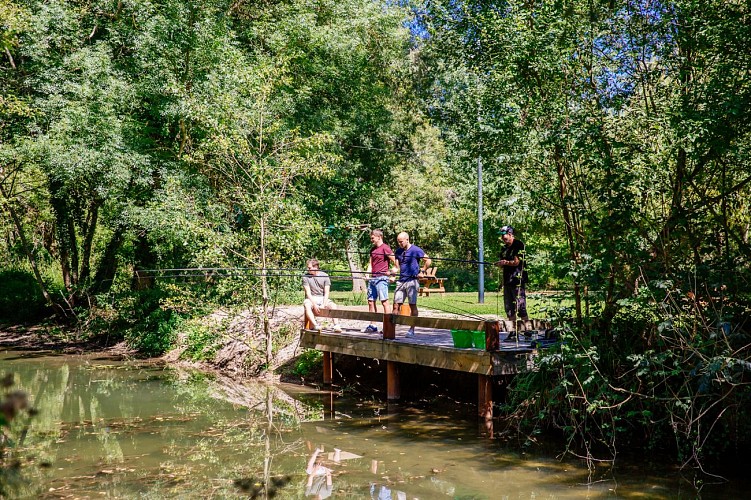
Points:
[54,338]
[236,343]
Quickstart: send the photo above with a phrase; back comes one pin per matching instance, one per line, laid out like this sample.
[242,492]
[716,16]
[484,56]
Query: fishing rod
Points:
[446,259]
[219,269]
[242,270]
[278,272]
[245,274]
[462,312]
[251,271]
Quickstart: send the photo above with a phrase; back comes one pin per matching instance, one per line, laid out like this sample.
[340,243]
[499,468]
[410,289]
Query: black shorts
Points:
[515,301]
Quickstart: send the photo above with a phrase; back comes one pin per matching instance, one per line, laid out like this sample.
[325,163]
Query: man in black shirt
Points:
[514,275]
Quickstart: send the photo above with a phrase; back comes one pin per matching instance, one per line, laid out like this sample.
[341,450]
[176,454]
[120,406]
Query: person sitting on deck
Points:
[317,286]
[408,258]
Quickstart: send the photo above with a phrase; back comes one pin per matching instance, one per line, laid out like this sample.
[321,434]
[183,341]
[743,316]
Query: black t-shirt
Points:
[515,249]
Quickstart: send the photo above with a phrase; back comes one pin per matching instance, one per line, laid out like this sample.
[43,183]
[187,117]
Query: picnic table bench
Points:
[430,283]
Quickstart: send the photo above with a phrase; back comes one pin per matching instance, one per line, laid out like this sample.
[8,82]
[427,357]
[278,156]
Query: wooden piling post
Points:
[389,328]
[329,411]
[492,335]
[485,397]
[328,367]
[393,390]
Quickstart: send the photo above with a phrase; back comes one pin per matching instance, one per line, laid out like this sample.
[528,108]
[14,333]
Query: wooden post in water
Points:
[329,413]
[485,382]
[485,397]
[328,367]
[393,390]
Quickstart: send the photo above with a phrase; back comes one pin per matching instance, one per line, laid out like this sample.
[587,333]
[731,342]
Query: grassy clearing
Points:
[538,305]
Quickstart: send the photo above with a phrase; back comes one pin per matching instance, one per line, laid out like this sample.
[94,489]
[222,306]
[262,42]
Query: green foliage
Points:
[152,318]
[185,134]
[668,375]
[156,334]
[612,138]
[20,297]
[465,279]
[308,362]
[200,340]
[15,415]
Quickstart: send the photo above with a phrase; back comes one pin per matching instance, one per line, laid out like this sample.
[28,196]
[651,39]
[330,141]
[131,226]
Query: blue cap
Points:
[506,230]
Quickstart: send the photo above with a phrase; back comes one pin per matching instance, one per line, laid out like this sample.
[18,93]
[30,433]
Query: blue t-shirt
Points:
[409,262]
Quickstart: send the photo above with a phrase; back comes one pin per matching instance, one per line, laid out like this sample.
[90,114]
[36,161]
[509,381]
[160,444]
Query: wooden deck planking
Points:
[429,347]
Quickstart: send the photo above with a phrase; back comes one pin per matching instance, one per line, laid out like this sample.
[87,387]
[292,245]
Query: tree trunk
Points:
[72,240]
[358,283]
[105,273]
[61,211]
[569,223]
[265,301]
[88,239]
[59,310]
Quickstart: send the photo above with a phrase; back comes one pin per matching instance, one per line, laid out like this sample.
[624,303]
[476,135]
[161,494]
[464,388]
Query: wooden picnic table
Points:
[430,283]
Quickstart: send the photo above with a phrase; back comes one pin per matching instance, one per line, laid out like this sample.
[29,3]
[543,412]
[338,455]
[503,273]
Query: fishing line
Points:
[244,270]
[245,275]
[446,259]
[461,312]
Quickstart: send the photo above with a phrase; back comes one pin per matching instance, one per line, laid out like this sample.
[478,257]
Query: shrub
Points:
[664,374]
[20,297]
[309,361]
[156,334]
[200,341]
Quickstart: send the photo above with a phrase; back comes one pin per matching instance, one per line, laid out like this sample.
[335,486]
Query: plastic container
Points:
[478,339]
[462,338]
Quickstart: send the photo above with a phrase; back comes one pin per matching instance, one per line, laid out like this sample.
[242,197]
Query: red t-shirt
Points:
[379,260]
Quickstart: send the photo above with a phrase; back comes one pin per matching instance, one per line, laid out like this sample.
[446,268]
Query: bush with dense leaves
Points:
[20,297]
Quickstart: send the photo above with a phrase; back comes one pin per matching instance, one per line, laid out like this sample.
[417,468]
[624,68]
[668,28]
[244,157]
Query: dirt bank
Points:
[55,338]
[237,340]
[237,343]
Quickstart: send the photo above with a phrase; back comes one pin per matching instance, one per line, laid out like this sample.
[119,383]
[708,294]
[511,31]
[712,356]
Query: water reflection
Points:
[129,429]
[319,484]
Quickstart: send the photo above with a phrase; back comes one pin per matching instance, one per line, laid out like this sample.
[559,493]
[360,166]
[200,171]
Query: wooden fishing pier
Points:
[431,346]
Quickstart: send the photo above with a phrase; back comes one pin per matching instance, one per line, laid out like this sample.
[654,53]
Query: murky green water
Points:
[119,429]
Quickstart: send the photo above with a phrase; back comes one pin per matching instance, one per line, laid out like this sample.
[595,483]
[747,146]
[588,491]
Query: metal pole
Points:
[480,244]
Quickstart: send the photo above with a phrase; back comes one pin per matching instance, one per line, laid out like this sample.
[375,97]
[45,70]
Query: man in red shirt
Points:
[381,259]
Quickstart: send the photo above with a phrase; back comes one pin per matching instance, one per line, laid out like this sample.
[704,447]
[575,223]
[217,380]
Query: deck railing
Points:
[492,328]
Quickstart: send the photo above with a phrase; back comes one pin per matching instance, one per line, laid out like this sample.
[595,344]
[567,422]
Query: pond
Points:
[110,428]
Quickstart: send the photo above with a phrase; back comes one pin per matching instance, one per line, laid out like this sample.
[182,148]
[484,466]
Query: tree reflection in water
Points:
[15,418]
[135,429]
[132,429]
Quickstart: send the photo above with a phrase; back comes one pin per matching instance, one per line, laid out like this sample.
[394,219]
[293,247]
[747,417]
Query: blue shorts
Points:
[378,288]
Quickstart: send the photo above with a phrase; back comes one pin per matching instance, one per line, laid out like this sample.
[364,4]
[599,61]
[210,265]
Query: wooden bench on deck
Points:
[428,280]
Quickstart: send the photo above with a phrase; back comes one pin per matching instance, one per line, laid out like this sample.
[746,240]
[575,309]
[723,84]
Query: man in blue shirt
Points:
[408,258]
